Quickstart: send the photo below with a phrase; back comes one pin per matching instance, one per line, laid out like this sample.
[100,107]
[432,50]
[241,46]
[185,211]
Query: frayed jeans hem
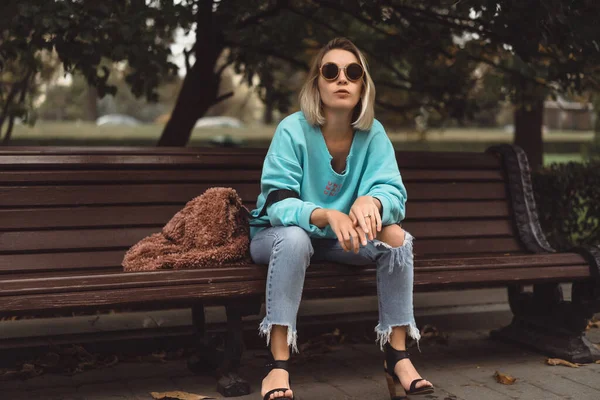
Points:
[384,333]
[265,327]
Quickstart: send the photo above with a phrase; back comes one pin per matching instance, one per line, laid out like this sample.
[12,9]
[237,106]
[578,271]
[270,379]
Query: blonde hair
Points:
[310,98]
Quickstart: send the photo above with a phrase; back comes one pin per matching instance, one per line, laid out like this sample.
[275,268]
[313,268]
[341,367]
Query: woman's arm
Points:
[382,180]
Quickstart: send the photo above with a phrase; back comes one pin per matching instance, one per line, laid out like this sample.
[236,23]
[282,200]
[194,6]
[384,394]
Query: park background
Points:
[450,76]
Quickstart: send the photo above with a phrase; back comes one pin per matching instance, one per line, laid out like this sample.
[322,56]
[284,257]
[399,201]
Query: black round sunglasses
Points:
[353,71]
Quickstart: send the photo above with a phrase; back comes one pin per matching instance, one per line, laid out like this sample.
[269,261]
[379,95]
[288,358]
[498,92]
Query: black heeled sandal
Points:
[271,365]
[397,391]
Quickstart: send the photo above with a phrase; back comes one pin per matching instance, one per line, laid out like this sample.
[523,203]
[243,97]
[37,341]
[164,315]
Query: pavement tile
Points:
[319,390]
[203,385]
[100,375]
[522,388]
[548,379]
[59,393]
[133,370]
[49,380]
[140,388]
[587,375]
[462,387]
[105,391]
[362,388]
[461,370]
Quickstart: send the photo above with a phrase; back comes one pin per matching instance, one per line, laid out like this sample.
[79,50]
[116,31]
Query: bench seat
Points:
[68,215]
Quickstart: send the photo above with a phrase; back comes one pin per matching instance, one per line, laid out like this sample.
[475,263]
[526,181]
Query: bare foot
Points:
[407,373]
[277,378]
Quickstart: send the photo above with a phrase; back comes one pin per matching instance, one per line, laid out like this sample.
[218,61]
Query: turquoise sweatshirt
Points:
[298,160]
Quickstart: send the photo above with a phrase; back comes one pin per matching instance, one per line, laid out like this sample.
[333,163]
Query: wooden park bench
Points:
[67,216]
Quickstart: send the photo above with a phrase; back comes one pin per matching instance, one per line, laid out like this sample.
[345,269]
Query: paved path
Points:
[462,369]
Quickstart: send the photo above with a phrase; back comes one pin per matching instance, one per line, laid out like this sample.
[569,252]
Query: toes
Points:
[424,383]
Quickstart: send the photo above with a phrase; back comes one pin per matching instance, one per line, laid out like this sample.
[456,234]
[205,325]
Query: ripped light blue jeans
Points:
[288,251]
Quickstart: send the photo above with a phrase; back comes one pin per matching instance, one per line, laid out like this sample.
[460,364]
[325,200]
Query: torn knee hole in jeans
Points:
[401,256]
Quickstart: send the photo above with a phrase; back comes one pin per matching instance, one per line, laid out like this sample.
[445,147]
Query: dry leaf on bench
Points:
[504,379]
[558,361]
[178,396]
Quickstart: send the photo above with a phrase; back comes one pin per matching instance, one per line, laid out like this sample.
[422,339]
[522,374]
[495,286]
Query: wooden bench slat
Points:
[124,150]
[112,194]
[440,247]
[502,260]
[11,264]
[220,176]
[11,242]
[351,285]
[456,209]
[44,177]
[223,158]
[89,217]
[248,272]
[459,229]
[108,262]
[125,237]
[19,196]
[121,161]
[115,215]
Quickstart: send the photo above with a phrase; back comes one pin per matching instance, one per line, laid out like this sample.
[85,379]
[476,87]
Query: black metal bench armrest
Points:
[517,170]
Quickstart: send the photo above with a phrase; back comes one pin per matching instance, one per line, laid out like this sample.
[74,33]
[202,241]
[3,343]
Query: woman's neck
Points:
[337,124]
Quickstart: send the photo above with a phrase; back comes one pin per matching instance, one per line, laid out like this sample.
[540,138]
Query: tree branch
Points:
[269,52]
[21,87]
[221,98]
[222,68]
[270,12]
[396,72]
[186,58]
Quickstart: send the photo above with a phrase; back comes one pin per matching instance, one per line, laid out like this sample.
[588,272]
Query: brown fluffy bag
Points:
[210,231]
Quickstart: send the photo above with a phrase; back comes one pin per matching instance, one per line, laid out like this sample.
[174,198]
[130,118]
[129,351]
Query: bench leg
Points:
[230,384]
[207,359]
[224,365]
[544,321]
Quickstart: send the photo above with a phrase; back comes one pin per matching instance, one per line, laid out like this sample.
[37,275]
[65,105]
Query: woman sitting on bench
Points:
[331,191]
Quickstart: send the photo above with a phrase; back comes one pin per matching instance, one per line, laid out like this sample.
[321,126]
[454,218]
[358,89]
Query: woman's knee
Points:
[293,240]
[392,235]
[289,240]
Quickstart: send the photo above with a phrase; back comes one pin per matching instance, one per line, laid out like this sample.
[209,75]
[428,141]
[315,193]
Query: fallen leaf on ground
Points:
[430,333]
[26,371]
[178,396]
[558,361]
[593,323]
[504,379]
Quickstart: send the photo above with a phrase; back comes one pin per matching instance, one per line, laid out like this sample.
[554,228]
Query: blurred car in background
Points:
[117,119]
[219,122]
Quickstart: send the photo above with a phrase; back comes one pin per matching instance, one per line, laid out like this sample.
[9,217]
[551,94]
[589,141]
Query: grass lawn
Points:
[550,158]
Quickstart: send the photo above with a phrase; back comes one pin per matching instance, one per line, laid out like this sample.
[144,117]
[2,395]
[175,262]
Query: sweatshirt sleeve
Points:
[382,179]
[282,170]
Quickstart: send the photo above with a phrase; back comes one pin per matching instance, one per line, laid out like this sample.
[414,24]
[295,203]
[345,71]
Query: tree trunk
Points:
[198,93]
[529,118]
[201,84]
[91,106]
[268,114]
[528,132]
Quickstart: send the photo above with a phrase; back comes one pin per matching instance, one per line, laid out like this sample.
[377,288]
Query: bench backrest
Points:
[74,210]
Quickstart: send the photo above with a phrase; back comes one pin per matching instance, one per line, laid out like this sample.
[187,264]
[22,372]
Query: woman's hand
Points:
[345,231]
[365,213]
